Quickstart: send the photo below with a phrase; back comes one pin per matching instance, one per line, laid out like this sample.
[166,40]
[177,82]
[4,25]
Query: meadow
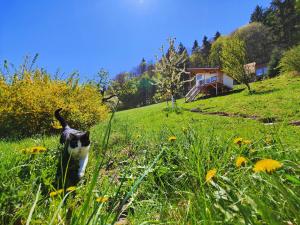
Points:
[155,165]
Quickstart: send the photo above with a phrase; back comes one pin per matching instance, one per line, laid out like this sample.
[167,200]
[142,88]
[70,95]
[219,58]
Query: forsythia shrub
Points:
[28,102]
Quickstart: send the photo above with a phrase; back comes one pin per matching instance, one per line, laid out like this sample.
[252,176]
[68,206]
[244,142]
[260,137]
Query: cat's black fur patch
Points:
[69,165]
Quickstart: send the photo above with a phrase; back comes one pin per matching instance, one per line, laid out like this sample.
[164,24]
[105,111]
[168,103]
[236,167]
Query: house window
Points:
[199,77]
[261,71]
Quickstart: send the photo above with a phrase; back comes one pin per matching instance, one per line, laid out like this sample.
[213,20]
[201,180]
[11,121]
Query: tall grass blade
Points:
[34,205]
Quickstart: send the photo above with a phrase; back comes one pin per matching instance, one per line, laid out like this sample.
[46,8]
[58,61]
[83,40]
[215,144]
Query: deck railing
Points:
[208,80]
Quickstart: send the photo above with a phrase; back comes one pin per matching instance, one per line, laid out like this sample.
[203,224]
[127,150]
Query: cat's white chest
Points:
[79,152]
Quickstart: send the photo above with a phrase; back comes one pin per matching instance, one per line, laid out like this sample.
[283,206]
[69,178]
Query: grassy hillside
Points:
[277,98]
[164,180]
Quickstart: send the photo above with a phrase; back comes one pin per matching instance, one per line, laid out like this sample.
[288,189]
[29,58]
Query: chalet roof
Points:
[196,70]
[204,70]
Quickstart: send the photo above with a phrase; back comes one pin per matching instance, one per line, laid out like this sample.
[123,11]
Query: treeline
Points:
[271,32]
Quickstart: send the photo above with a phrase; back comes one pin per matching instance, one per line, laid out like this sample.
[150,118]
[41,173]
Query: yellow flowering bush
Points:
[28,102]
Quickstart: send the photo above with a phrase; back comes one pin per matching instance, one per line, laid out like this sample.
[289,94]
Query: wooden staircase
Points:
[191,95]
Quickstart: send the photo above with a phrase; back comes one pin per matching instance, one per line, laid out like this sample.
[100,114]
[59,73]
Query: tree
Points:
[258,41]
[290,62]
[196,47]
[196,60]
[102,81]
[273,65]
[217,35]
[205,50]
[143,66]
[146,90]
[258,15]
[215,52]
[124,86]
[171,67]
[150,69]
[284,20]
[233,57]
[181,48]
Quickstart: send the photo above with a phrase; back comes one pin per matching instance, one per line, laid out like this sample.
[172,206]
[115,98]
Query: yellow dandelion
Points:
[247,142]
[54,193]
[266,165]
[238,141]
[72,188]
[172,138]
[240,161]
[102,199]
[34,150]
[210,174]
[269,140]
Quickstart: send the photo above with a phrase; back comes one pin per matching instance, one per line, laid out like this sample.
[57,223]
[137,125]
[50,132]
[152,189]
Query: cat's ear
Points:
[72,136]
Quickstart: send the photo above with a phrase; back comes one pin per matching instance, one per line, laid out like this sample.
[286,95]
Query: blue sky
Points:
[86,35]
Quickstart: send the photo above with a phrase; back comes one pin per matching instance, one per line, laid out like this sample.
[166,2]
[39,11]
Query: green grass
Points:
[163,182]
[277,97]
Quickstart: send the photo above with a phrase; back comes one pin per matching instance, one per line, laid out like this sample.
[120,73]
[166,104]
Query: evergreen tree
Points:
[257,15]
[142,66]
[195,47]
[181,48]
[217,35]
[273,65]
[284,21]
[196,60]
[205,50]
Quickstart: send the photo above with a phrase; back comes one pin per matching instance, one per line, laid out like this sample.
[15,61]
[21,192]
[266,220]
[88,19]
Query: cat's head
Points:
[79,139]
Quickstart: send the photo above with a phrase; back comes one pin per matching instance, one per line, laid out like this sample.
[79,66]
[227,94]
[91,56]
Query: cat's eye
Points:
[73,143]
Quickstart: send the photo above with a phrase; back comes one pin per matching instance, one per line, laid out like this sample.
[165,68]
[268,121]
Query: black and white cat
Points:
[76,152]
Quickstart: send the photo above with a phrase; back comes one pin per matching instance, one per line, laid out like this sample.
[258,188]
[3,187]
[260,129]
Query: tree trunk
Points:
[173,101]
[248,87]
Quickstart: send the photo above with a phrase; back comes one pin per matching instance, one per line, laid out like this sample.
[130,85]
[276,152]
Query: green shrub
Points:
[290,61]
[28,101]
[273,65]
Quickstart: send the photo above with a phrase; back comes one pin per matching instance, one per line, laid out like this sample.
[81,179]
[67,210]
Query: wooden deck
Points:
[213,88]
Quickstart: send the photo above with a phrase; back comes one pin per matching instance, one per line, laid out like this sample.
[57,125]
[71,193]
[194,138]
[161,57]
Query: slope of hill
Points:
[172,167]
[277,98]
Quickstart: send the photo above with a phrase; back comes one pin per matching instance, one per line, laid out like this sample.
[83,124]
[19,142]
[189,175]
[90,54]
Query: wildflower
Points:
[54,193]
[247,142]
[266,165]
[269,140]
[172,138]
[210,174]
[34,150]
[240,161]
[102,199]
[185,130]
[238,141]
[72,188]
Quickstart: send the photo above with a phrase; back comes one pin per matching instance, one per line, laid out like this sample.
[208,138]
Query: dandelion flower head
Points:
[240,161]
[172,138]
[266,165]
[210,174]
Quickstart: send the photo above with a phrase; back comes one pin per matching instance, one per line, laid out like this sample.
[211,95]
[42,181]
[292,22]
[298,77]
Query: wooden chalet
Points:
[208,81]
